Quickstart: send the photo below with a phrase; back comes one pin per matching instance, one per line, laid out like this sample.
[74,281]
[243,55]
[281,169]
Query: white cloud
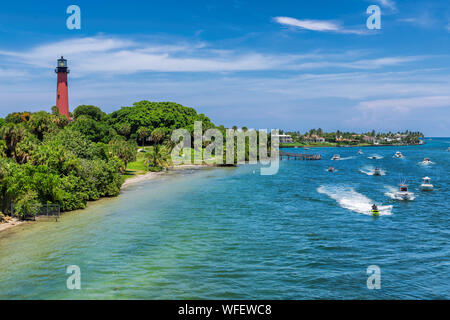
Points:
[115,56]
[119,56]
[388,4]
[409,20]
[405,104]
[316,25]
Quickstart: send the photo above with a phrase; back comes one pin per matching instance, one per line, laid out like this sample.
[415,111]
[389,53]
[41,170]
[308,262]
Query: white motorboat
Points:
[426,161]
[360,152]
[426,185]
[336,157]
[374,157]
[403,193]
[377,172]
[398,154]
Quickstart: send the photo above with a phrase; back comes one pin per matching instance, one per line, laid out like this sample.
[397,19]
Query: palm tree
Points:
[12,134]
[157,135]
[143,133]
[159,155]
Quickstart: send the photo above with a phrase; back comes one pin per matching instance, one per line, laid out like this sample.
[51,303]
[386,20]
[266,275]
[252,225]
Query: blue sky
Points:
[292,65]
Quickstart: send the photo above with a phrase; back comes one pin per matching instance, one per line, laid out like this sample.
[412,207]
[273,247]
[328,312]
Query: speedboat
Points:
[398,154]
[426,161]
[403,193]
[330,169]
[377,172]
[373,157]
[426,185]
[360,152]
[336,157]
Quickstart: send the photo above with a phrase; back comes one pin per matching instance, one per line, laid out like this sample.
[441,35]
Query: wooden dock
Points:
[299,156]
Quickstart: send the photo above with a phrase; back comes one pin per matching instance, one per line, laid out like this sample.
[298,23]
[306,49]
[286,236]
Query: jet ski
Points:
[375,211]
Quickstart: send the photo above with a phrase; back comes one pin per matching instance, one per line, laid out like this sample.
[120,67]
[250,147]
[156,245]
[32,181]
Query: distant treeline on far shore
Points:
[315,137]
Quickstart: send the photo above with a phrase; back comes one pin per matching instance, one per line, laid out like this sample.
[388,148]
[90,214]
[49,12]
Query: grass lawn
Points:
[136,167]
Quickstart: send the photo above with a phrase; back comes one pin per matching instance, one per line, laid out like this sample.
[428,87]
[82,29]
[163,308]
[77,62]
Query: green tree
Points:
[12,134]
[122,149]
[55,110]
[28,205]
[40,123]
[95,131]
[90,111]
[158,157]
[157,135]
[124,129]
[152,115]
[143,133]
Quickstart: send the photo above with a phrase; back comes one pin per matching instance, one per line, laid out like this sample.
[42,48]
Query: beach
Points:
[6,225]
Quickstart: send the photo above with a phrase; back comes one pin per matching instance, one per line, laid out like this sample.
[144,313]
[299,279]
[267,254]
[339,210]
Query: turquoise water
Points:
[304,233]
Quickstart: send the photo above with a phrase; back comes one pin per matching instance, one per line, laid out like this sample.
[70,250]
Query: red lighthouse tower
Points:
[62,93]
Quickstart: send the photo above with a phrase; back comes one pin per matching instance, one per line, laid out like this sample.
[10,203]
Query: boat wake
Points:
[370,171]
[344,158]
[423,163]
[375,156]
[391,192]
[351,200]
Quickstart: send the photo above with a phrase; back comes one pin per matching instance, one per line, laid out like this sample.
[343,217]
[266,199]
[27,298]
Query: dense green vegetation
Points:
[44,159]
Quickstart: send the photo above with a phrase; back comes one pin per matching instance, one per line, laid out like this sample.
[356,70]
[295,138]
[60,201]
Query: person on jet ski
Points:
[374,207]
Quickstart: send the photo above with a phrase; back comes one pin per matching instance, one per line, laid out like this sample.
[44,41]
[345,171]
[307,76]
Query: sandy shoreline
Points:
[129,182]
[14,222]
[152,175]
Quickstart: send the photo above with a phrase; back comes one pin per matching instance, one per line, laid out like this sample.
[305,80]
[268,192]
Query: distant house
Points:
[340,139]
[285,138]
[314,138]
[369,139]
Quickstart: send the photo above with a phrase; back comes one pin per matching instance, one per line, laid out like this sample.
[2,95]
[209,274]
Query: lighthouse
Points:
[62,91]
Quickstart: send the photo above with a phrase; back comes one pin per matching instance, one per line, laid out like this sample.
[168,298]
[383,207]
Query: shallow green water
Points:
[233,234]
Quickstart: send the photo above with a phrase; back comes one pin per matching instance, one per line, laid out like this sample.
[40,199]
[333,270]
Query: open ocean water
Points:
[230,233]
